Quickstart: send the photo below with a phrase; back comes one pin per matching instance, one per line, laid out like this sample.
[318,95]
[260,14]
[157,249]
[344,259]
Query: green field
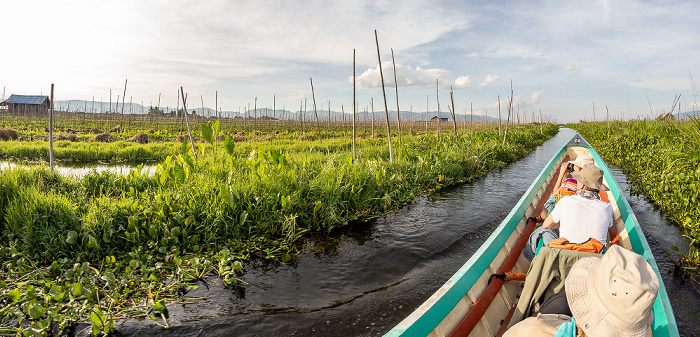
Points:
[103,246]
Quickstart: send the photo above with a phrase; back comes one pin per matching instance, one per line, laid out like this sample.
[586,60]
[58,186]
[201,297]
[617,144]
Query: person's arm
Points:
[549,223]
[562,172]
[614,235]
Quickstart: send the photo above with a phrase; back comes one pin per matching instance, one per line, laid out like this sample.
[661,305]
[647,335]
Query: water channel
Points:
[368,278]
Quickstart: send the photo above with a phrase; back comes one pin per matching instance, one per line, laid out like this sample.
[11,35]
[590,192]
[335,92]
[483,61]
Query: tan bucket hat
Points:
[591,176]
[612,295]
[582,160]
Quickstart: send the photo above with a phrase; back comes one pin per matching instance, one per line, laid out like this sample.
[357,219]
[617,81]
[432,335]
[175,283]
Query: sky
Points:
[571,60]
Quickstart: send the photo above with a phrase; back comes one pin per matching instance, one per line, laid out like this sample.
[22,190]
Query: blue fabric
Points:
[567,329]
[543,234]
[549,205]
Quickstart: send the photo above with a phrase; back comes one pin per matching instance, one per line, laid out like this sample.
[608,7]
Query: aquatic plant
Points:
[103,246]
[661,159]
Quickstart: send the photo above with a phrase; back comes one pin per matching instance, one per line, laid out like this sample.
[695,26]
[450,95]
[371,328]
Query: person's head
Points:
[612,295]
[590,177]
[581,161]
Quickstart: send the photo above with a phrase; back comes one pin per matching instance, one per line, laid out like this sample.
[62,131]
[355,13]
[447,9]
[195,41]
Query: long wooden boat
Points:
[467,305]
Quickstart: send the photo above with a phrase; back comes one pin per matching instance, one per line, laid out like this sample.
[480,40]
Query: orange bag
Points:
[590,246]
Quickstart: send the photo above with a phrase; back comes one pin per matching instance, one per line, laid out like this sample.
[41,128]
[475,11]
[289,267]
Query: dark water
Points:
[369,278]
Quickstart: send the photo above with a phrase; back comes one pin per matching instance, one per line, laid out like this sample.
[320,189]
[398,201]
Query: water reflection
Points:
[81,170]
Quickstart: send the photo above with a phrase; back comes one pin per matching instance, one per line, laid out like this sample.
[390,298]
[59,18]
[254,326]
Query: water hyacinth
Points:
[103,246]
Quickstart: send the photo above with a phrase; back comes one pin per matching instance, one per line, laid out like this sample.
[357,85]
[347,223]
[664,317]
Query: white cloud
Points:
[462,82]
[408,76]
[572,67]
[535,97]
[300,94]
[488,81]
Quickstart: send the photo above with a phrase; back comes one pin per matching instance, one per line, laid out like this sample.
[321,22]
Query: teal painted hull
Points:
[436,316]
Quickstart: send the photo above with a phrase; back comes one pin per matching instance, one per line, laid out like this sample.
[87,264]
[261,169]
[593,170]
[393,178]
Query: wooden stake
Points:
[121,128]
[398,111]
[437,94]
[371,103]
[354,105]
[187,120]
[51,131]
[318,124]
[454,120]
[386,107]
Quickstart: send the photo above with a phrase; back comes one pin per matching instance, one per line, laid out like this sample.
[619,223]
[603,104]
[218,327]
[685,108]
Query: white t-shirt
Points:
[581,219]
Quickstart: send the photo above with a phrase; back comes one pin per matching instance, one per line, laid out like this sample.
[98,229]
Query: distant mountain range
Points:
[138,109]
[687,115]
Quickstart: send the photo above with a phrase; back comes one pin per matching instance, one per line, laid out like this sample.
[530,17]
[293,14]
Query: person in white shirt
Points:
[580,217]
[583,216]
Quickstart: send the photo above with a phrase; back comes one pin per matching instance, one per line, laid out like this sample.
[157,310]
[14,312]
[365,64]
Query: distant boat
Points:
[467,305]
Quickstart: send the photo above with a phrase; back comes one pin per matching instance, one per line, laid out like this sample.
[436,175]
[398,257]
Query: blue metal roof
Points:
[22,99]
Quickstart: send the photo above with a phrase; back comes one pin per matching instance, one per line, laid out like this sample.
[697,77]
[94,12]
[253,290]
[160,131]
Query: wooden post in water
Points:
[354,106]
[386,107]
[396,85]
[541,131]
[607,117]
[187,120]
[51,131]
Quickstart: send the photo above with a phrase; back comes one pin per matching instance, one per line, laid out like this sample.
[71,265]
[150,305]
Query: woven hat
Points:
[582,160]
[591,176]
[612,295]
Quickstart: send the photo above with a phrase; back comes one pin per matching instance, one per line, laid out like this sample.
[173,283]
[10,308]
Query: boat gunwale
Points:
[430,313]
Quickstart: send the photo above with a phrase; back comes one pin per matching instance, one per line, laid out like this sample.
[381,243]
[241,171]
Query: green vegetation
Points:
[105,246]
[661,159]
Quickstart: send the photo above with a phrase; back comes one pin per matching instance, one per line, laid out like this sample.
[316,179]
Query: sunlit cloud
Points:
[489,80]
[572,67]
[409,76]
[300,94]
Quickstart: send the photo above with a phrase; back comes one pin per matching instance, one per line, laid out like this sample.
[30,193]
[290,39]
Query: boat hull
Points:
[467,293]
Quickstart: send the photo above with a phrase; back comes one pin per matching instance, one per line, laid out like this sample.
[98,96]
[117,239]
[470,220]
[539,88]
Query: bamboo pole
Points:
[454,120]
[313,96]
[437,95]
[371,103]
[510,108]
[541,131]
[396,85]
[499,115]
[354,106]
[121,127]
[427,107]
[471,117]
[386,107]
[187,120]
[51,131]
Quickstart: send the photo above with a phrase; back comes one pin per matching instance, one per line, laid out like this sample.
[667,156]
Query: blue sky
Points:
[563,57]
